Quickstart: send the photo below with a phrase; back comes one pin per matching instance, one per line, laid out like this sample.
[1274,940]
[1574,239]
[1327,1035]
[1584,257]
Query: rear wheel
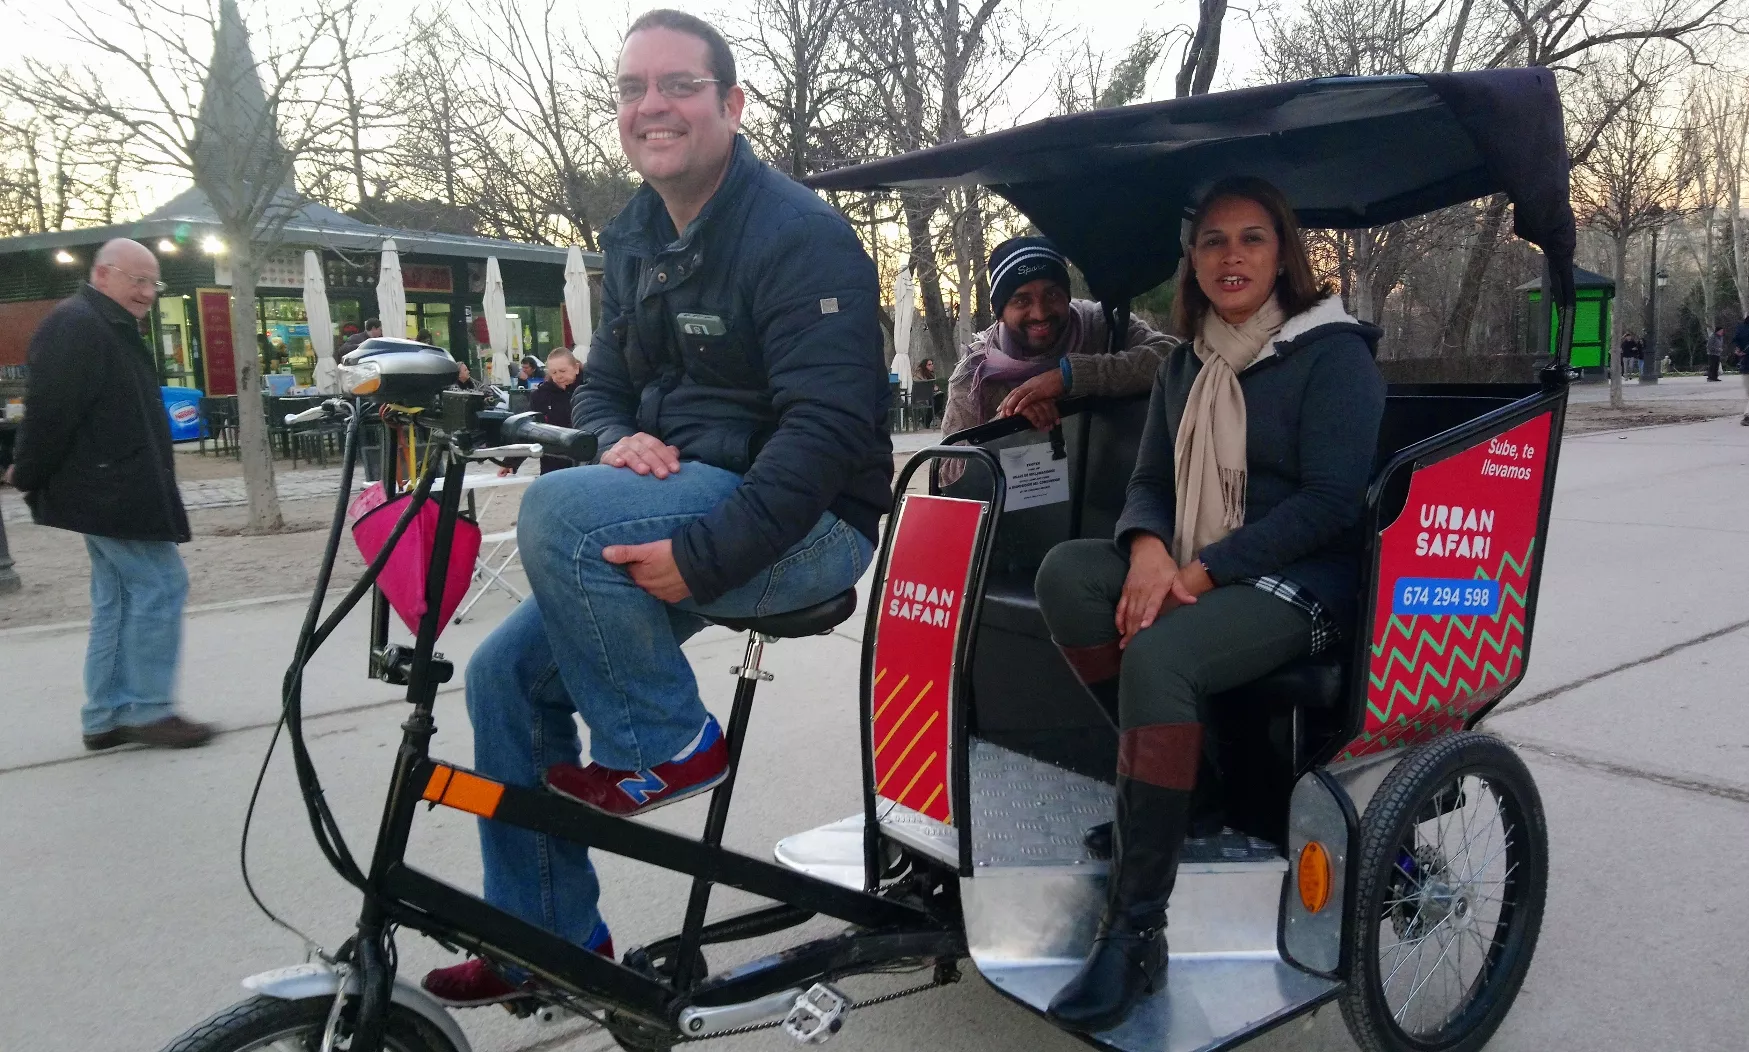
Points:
[269,1024]
[1451,878]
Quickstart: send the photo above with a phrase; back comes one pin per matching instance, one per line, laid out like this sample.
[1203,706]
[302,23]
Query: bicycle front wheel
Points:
[270,1024]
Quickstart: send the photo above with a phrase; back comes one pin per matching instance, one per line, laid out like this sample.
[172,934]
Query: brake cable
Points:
[311,637]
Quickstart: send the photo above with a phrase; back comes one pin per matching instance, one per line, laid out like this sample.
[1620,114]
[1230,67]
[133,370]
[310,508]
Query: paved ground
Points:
[1668,388]
[124,920]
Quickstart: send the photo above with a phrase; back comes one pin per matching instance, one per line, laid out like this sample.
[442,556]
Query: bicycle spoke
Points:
[1417,989]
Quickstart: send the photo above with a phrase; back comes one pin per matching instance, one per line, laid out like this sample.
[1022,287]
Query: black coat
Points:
[553,403]
[1312,414]
[750,341]
[95,455]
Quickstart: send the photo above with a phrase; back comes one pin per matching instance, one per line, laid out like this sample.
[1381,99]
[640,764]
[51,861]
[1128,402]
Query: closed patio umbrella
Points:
[577,299]
[497,323]
[391,294]
[327,377]
[904,315]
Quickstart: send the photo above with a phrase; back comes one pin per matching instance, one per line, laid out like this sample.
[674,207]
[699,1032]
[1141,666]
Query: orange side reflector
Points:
[463,791]
[1314,877]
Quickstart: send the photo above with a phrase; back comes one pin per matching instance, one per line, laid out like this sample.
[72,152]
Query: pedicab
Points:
[1374,849]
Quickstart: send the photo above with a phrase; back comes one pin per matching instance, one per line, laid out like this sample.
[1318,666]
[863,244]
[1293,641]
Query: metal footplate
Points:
[817,1015]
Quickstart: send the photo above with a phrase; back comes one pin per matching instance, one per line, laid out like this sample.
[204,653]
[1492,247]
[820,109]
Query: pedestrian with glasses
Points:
[95,458]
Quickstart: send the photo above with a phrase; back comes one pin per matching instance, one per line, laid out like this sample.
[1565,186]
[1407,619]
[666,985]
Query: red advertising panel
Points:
[1448,626]
[214,307]
[922,606]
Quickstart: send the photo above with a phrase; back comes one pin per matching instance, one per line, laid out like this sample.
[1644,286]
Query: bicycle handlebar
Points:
[578,446]
[327,408]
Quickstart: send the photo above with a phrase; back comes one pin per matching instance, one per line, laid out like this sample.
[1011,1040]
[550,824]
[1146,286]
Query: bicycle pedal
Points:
[816,1016]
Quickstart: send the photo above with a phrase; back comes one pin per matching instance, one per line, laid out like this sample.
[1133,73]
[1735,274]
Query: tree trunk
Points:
[1454,338]
[252,440]
[1616,399]
[1197,71]
[1708,294]
[1365,307]
[980,247]
[1739,243]
[937,327]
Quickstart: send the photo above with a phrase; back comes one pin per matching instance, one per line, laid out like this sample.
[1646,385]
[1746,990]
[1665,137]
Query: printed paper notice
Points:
[1034,479]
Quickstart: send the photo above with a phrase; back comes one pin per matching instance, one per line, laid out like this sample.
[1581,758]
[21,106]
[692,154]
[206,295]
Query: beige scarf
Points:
[1209,453]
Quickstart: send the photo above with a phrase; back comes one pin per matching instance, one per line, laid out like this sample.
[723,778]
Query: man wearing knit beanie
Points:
[1044,345]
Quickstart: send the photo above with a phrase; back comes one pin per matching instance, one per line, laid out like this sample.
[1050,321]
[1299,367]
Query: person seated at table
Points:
[552,400]
[1044,345]
[529,374]
[1237,550]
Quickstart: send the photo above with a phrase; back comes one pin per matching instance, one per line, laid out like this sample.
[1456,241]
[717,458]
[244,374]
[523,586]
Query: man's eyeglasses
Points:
[139,281]
[674,87]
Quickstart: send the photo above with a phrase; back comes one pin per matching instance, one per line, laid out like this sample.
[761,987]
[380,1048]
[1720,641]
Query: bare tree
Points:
[938,68]
[553,91]
[809,96]
[1632,181]
[1197,71]
[56,174]
[234,124]
[1719,144]
[340,168]
[1090,80]
[1328,37]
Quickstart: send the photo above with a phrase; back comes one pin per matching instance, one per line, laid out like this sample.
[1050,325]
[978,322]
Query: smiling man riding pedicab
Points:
[738,387]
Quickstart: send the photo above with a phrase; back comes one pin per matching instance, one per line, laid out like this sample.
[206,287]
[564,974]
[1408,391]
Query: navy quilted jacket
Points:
[749,341]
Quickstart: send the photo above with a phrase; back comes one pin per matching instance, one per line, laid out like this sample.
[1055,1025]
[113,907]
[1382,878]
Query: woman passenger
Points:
[1236,553]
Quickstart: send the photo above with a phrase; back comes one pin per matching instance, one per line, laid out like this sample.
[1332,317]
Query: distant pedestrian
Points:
[373,328]
[95,458]
[1740,341]
[552,400]
[1715,350]
[1633,354]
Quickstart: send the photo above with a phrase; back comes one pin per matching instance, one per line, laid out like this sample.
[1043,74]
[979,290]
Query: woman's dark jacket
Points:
[1312,412]
[95,454]
[750,341]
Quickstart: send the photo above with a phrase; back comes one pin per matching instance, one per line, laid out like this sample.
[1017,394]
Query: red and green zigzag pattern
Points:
[1454,666]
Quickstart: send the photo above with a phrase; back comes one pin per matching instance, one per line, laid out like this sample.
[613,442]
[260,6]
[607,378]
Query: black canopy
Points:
[1112,187]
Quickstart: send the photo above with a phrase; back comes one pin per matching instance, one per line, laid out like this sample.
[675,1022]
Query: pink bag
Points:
[373,518]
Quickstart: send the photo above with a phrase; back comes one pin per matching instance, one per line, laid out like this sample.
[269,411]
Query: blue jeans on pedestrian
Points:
[589,642]
[137,592]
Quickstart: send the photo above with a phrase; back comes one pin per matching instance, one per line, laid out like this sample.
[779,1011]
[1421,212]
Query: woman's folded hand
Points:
[1147,588]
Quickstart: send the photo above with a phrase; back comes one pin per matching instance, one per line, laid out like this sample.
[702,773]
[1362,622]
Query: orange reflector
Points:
[1314,877]
[463,791]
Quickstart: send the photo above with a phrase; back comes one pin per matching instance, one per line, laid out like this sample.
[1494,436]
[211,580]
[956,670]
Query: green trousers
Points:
[1228,637]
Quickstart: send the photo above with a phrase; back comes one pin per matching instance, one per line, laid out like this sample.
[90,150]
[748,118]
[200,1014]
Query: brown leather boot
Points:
[1156,769]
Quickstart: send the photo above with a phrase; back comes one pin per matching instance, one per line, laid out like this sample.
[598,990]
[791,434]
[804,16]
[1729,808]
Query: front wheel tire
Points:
[1450,882]
[270,1024]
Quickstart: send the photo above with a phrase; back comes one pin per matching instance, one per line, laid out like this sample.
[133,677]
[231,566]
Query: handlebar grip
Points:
[578,446]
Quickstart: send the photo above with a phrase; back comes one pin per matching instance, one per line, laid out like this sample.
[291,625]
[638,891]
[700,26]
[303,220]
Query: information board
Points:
[921,616]
[1454,575]
[214,309]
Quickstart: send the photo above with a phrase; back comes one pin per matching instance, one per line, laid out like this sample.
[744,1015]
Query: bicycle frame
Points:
[887,928]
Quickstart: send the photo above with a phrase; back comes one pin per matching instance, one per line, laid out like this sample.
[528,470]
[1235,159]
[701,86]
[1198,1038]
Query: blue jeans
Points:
[590,642]
[137,592]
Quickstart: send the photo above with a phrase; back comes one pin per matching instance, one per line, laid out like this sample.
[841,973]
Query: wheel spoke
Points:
[1445,949]
[1417,943]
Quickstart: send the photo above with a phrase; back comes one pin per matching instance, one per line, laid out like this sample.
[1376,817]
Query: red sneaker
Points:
[627,793]
[476,982]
